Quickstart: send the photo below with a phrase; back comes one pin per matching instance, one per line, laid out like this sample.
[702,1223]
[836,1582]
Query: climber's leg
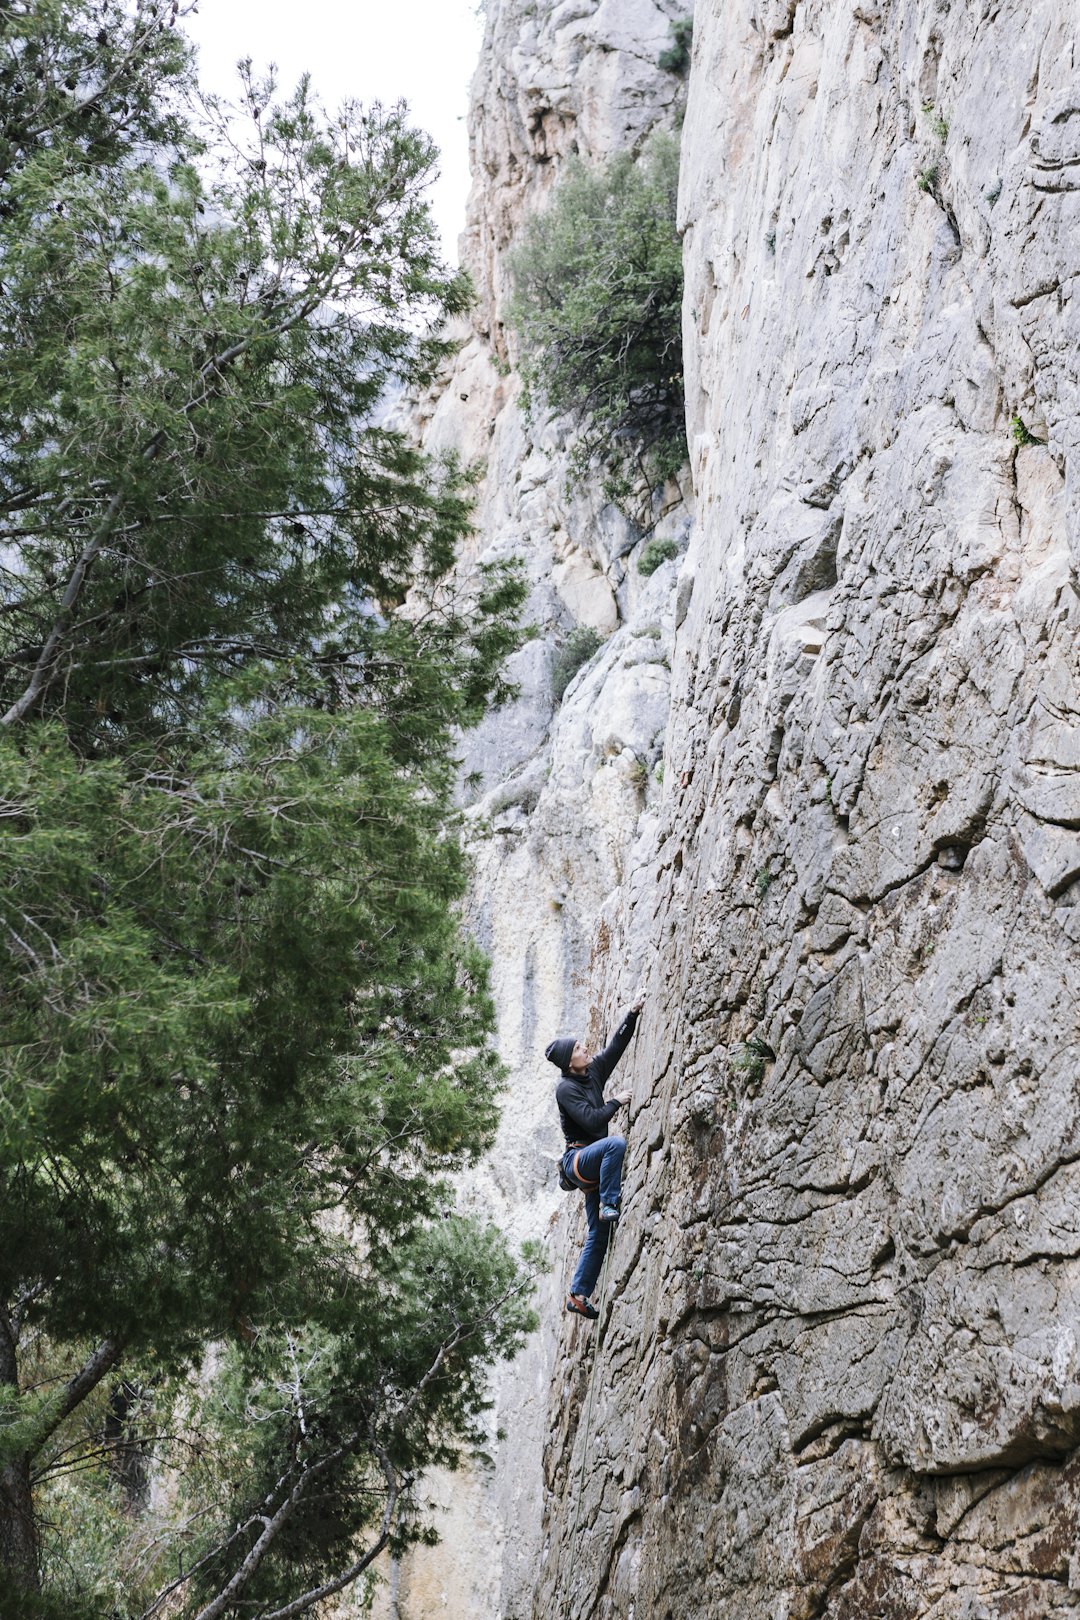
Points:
[598,1168]
[592,1255]
[611,1172]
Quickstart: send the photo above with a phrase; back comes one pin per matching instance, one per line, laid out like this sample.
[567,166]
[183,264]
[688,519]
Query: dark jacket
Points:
[583,1113]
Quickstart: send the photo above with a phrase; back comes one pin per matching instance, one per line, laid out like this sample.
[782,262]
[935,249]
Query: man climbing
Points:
[593,1159]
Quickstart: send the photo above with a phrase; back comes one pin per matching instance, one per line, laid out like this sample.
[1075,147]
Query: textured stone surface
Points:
[839,1370]
[556,796]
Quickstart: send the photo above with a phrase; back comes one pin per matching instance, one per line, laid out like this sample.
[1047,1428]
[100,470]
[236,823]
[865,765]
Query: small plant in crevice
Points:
[928,179]
[655,553]
[764,880]
[575,652]
[676,59]
[770,241]
[1021,433]
[750,1059]
[938,122]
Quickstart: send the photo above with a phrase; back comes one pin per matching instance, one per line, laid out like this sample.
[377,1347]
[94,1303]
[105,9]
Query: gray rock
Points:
[818,794]
[841,1376]
[557,797]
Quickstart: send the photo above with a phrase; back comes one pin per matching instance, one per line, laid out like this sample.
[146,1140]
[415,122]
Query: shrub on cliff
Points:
[655,554]
[676,59]
[597,310]
[576,651]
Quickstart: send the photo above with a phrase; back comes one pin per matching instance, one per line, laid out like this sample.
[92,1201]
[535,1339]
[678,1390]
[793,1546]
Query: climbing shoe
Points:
[577,1305]
[609,1212]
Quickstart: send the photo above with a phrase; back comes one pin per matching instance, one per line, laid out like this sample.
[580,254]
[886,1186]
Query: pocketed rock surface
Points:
[818,794]
[838,1373]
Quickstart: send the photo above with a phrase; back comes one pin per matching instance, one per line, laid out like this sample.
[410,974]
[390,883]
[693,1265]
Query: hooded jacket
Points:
[583,1113]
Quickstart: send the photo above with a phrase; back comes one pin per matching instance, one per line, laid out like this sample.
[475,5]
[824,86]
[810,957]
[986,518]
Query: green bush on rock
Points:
[597,310]
[654,554]
[575,652]
[676,59]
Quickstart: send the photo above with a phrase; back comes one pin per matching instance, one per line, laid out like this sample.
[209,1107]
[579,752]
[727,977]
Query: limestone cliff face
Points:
[838,1370]
[838,1373]
[559,795]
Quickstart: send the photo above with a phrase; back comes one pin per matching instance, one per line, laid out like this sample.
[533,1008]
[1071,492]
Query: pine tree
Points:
[244,1038]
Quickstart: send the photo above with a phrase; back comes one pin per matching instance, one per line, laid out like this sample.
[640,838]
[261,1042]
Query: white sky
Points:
[421,51]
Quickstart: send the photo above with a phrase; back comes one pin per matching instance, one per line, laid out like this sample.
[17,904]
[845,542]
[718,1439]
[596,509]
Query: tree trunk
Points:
[19,1565]
[18,1530]
[126,1456]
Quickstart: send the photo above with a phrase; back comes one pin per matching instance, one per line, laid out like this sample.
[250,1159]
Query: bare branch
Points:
[339,1582]
[186,1575]
[75,1391]
[272,1524]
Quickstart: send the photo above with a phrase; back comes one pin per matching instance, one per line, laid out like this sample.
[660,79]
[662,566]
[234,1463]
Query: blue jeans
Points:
[599,1175]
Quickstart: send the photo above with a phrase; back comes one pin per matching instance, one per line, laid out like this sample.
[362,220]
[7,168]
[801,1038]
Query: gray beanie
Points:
[560,1052]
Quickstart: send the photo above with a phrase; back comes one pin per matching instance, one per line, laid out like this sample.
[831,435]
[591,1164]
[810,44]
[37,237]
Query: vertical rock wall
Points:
[838,1373]
[557,794]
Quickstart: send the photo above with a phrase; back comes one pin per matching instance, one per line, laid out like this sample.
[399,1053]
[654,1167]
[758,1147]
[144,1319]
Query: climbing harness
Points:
[580,1183]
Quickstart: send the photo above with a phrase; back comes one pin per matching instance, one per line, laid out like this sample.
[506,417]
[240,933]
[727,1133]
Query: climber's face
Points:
[579,1058]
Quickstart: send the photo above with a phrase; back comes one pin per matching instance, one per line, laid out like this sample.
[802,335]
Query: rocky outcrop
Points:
[838,1373]
[557,794]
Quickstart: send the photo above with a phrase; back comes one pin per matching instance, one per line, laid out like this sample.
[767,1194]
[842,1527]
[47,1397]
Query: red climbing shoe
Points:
[578,1305]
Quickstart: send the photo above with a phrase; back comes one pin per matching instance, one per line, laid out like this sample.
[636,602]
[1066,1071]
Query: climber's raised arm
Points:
[604,1062]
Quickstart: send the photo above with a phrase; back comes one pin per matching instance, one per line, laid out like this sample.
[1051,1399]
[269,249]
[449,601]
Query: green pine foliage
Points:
[244,1039]
[598,309]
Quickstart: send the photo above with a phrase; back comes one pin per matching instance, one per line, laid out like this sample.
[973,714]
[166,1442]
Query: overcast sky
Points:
[423,51]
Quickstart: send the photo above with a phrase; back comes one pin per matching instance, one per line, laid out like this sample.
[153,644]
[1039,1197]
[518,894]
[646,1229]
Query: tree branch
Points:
[75,1391]
[282,320]
[275,1522]
[47,657]
[271,1526]
[339,1582]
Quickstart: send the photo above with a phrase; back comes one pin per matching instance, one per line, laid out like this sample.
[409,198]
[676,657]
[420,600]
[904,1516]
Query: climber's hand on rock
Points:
[622,1098]
[638,1004]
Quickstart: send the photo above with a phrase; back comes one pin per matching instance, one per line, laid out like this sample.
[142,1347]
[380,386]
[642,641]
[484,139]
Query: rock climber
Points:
[592,1159]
